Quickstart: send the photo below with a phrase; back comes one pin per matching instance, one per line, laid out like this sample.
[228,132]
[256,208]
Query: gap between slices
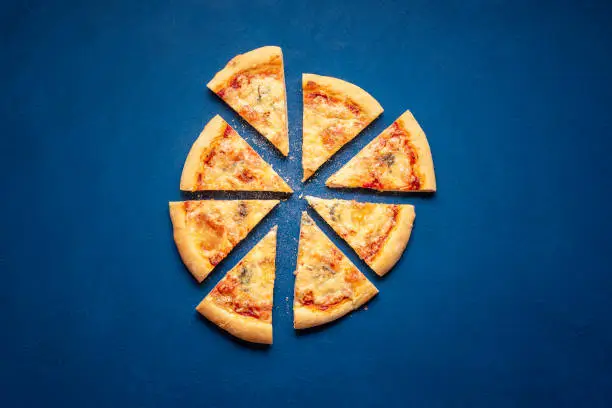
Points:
[399,159]
[327,284]
[206,231]
[335,112]
[241,303]
[377,232]
[253,84]
[220,159]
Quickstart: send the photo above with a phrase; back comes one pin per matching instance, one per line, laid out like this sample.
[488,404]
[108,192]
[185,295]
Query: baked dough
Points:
[399,159]
[253,84]
[241,303]
[206,231]
[377,232]
[335,111]
[222,160]
[327,284]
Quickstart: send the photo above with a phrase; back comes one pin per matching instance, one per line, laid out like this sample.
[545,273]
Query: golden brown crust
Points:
[370,169]
[243,327]
[253,111]
[199,266]
[243,62]
[425,160]
[395,245]
[305,317]
[189,177]
[366,102]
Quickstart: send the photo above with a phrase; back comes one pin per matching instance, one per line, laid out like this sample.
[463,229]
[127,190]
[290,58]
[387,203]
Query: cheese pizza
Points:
[335,111]
[377,232]
[327,284]
[241,303]
[222,160]
[253,84]
[206,231]
[399,159]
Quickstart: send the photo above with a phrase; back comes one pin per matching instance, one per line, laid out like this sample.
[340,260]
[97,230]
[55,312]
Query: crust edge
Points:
[396,243]
[209,133]
[425,161]
[241,62]
[242,327]
[199,267]
[304,318]
[356,93]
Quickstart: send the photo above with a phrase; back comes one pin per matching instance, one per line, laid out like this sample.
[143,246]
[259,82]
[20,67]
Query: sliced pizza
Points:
[241,303]
[399,159]
[377,232]
[327,284]
[253,84]
[222,160]
[206,231]
[335,111]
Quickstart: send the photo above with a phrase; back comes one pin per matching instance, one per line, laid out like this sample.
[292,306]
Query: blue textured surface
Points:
[502,299]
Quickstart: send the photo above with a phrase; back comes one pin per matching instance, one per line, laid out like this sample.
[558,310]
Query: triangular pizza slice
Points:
[335,111]
[377,232]
[206,231]
[241,303]
[399,159]
[327,284]
[253,84]
[222,160]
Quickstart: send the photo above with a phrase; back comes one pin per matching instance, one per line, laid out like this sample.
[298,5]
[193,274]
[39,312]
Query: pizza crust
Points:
[305,317]
[395,245]
[419,140]
[189,177]
[245,328]
[370,106]
[241,63]
[195,263]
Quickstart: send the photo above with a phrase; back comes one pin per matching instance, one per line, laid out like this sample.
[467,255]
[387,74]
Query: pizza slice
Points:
[206,231]
[327,284]
[335,111]
[253,84]
[398,159]
[222,160]
[377,232]
[241,303]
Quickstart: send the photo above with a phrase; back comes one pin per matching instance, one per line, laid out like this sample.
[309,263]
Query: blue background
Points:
[502,299]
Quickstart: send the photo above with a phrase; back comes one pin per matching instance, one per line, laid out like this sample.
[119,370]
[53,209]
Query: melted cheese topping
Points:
[247,289]
[365,226]
[258,95]
[325,277]
[216,226]
[229,163]
[389,162]
[330,121]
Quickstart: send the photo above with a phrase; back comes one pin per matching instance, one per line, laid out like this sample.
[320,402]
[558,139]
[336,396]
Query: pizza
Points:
[206,231]
[222,160]
[335,111]
[253,84]
[327,284]
[398,159]
[241,303]
[377,232]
